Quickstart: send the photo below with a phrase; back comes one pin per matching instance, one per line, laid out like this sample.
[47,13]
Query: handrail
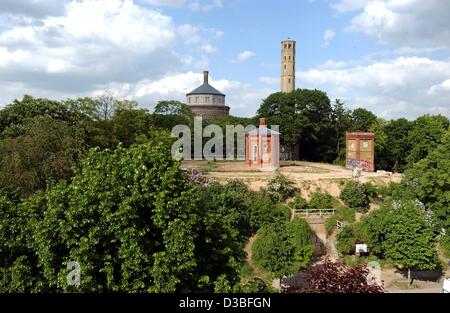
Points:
[319,212]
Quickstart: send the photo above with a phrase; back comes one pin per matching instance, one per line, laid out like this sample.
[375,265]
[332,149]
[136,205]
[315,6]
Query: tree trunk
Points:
[409,276]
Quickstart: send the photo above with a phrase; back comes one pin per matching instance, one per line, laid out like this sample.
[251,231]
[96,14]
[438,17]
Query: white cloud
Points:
[32,8]
[117,41]
[243,56]
[243,99]
[189,34]
[171,3]
[269,80]
[405,86]
[343,6]
[208,48]
[193,5]
[405,22]
[442,88]
[328,35]
[205,6]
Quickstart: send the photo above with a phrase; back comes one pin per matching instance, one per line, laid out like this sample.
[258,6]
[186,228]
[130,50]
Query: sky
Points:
[391,57]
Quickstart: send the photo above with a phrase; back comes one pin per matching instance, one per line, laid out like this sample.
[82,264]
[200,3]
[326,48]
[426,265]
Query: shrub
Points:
[262,211]
[345,214]
[283,248]
[354,195]
[445,245]
[280,188]
[342,214]
[345,240]
[299,203]
[371,190]
[321,200]
[256,285]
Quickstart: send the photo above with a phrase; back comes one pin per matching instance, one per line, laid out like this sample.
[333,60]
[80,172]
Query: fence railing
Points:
[320,212]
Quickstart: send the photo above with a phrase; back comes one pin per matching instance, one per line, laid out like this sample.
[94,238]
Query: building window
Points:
[285,46]
[197,99]
[214,99]
[289,46]
[289,80]
[189,99]
[206,99]
[289,58]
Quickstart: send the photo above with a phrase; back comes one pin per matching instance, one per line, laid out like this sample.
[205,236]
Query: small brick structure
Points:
[360,150]
[262,148]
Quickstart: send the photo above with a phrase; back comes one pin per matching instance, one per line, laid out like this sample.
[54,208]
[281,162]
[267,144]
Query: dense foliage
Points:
[132,221]
[283,248]
[398,232]
[279,188]
[355,196]
[321,200]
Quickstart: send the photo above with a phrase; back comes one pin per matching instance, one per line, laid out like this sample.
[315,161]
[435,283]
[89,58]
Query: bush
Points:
[280,188]
[371,190]
[256,285]
[445,245]
[283,248]
[345,240]
[321,200]
[342,214]
[355,196]
[345,214]
[299,203]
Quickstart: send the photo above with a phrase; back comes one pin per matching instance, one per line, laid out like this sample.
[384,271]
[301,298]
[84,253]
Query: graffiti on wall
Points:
[365,165]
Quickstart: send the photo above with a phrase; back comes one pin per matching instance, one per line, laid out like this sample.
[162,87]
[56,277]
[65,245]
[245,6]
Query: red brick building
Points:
[360,150]
[262,147]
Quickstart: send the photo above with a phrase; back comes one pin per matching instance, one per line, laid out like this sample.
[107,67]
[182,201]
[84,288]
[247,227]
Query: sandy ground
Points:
[307,176]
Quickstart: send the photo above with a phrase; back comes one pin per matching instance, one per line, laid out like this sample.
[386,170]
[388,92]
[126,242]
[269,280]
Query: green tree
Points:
[393,155]
[409,242]
[305,120]
[20,111]
[429,181]
[279,188]
[362,119]
[45,149]
[283,248]
[342,121]
[425,135]
[321,200]
[355,196]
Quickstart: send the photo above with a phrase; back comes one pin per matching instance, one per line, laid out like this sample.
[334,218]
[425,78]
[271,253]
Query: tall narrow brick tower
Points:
[287,65]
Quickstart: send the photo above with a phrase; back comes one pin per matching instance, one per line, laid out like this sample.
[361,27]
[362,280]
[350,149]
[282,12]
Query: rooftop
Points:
[206,88]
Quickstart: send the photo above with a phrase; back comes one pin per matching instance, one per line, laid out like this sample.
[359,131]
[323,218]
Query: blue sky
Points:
[389,56]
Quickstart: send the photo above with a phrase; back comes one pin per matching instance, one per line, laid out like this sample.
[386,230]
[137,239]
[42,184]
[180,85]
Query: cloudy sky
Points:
[389,56]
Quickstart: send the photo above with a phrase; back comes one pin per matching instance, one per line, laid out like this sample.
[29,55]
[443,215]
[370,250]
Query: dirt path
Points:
[248,249]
